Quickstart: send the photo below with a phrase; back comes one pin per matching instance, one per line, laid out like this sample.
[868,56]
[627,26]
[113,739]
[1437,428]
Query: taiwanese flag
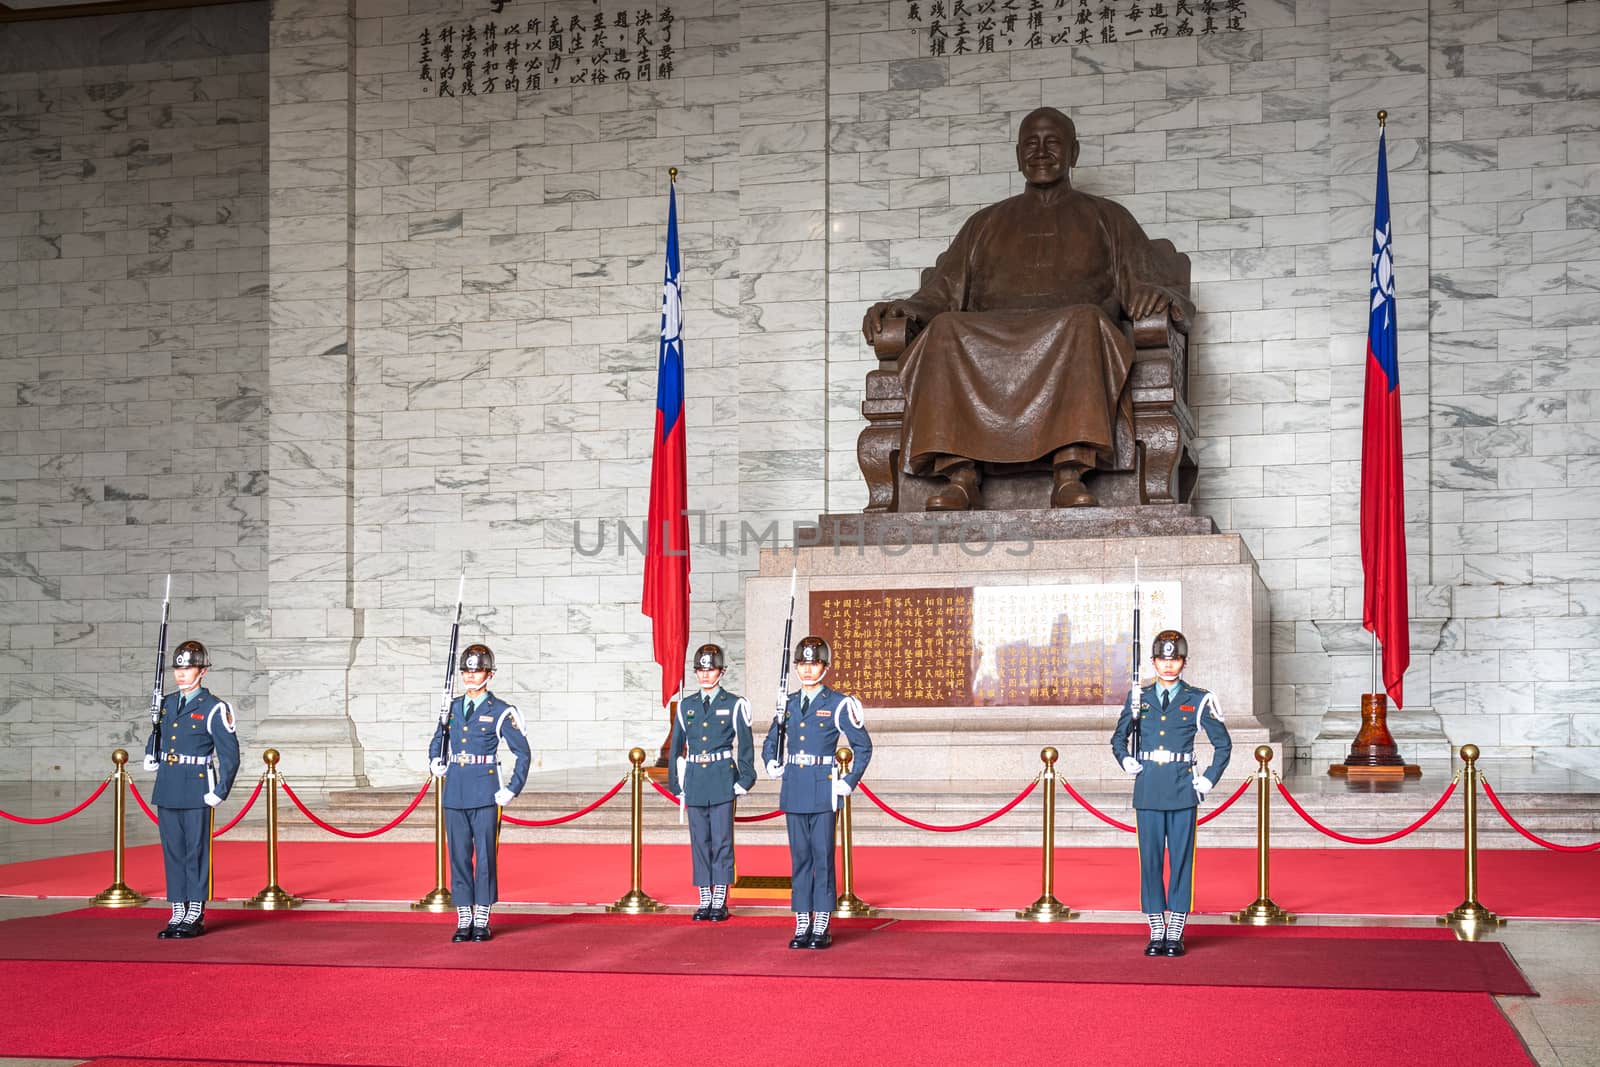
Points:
[1383,510]
[666,561]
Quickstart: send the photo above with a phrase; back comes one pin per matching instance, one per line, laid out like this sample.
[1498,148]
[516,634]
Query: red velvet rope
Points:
[1092,810]
[737,818]
[1018,799]
[1226,804]
[1295,804]
[1519,828]
[247,806]
[64,815]
[134,789]
[365,833]
[580,813]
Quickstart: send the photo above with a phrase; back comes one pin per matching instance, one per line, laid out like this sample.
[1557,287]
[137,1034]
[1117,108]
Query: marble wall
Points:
[452,304]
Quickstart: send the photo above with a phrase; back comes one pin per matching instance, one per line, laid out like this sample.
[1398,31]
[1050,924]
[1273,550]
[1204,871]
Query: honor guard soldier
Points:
[810,725]
[465,753]
[1168,785]
[194,751]
[713,761]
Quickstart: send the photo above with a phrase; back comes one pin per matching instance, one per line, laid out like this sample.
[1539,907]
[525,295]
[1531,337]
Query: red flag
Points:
[666,561]
[1383,508]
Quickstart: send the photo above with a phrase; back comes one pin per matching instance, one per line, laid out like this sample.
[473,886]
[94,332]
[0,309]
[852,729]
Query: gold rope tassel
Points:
[1047,909]
[636,901]
[117,894]
[1471,919]
[1263,912]
[272,897]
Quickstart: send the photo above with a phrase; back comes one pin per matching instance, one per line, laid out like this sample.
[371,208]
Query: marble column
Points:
[313,625]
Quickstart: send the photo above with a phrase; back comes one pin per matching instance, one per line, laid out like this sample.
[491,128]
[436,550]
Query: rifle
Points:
[783,669]
[1133,670]
[450,671]
[157,688]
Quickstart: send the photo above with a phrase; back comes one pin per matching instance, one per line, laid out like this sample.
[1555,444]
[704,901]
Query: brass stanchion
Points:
[437,898]
[1469,916]
[117,894]
[273,897]
[1263,912]
[636,901]
[848,906]
[1047,909]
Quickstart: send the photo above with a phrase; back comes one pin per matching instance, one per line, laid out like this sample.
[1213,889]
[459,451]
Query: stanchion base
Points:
[117,895]
[1263,912]
[1470,912]
[636,902]
[274,898]
[1047,909]
[850,906]
[437,899]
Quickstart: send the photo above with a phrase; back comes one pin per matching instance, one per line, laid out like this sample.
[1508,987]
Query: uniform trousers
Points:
[811,857]
[473,831]
[711,842]
[1172,833]
[186,852]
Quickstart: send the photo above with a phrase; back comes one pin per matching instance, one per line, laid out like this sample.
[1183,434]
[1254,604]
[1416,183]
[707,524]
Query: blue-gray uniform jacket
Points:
[808,751]
[197,747]
[717,745]
[474,772]
[1168,785]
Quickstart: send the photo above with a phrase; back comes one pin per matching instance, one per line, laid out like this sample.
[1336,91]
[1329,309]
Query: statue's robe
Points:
[1021,355]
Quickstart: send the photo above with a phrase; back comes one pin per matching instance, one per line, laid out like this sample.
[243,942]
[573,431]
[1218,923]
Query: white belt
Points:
[711,757]
[1161,755]
[465,758]
[803,760]
[174,757]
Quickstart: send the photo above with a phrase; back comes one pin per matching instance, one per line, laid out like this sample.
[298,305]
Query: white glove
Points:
[739,790]
[1131,765]
[503,797]
[212,800]
[774,769]
[437,767]
[841,788]
[1202,784]
[682,768]
[151,763]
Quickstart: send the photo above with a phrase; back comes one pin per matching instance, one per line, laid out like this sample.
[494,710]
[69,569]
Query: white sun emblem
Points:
[671,311]
[1382,269]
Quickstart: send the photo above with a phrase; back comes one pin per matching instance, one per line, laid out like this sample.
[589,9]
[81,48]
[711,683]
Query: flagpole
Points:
[1372,657]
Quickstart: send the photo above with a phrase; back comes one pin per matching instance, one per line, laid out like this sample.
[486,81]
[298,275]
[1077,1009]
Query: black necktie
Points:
[466,714]
[1166,699]
[805,706]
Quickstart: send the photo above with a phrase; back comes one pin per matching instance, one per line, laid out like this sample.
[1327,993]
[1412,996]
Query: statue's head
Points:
[1047,146]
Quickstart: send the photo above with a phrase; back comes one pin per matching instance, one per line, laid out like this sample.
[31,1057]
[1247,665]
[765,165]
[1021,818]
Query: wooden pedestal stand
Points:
[1373,754]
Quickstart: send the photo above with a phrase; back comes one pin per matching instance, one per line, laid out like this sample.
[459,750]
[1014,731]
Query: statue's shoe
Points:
[1069,492]
[955,497]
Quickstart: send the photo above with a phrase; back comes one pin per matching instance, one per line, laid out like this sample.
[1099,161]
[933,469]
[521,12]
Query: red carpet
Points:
[864,949]
[424,1018]
[1367,881]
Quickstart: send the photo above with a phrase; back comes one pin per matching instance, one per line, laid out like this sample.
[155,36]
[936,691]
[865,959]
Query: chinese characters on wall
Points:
[1011,646]
[514,51]
[969,27]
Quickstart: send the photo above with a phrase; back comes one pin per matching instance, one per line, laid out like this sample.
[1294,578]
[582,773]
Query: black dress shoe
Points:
[1175,948]
[170,931]
[718,915]
[185,931]
[463,933]
[482,933]
[1156,947]
[702,914]
[800,941]
[822,940]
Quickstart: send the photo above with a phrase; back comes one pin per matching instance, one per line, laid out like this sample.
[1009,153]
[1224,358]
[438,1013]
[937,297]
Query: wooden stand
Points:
[1373,754]
[658,773]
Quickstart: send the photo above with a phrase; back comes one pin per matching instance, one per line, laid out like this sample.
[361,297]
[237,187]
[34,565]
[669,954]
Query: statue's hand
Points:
[872,322]
[1147,300]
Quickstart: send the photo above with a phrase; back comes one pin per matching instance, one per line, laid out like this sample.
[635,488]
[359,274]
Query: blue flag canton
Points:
[669,382]
[1381,325]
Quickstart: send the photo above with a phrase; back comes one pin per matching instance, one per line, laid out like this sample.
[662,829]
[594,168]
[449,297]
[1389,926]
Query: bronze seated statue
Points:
[1041,363]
